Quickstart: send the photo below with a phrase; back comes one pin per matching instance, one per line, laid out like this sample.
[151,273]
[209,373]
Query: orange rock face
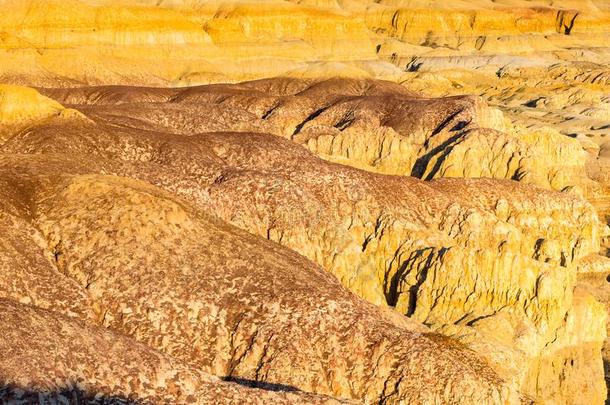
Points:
[227,302]
[316,235]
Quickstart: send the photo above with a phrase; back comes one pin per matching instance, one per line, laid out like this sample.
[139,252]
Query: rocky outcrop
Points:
[226,302]
[51,358]
[373,125]
[469,258]
[503,89]
[544,65]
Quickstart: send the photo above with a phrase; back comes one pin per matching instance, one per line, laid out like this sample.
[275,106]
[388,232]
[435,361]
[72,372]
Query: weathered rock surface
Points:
[49,358]
[226,302]
[469,258]
[373,125]
[509,270]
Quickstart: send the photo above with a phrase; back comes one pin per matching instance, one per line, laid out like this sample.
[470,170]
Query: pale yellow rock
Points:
[21,107]
[67,43]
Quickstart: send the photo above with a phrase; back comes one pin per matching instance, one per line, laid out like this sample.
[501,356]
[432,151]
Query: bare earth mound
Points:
[317,201]
[150,262]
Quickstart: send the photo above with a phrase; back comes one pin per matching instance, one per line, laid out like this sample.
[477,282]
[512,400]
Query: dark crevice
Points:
[419,168]
[413,65]
[565,24]
[367,240]
[570,26]
[395,20]
[445,122]
[311,116]
[260,384]
[345,122]
[270,111]
[56,255]
[478,318]
[421,280]
[392,292]
[533,103]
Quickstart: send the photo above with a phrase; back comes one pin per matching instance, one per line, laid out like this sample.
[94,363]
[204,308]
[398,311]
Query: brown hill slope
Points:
[490,262]
[51,358]
[224,301]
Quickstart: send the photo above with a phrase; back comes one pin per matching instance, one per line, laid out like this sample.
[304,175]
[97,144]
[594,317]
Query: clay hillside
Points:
[304,201]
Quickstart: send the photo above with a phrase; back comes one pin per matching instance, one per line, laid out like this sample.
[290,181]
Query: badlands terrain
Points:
[304,201]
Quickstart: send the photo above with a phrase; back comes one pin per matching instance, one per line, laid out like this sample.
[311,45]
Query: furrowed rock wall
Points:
[76,42]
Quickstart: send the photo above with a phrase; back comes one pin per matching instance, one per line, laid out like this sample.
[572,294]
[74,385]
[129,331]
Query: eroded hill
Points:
[490,263]
[437,237]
